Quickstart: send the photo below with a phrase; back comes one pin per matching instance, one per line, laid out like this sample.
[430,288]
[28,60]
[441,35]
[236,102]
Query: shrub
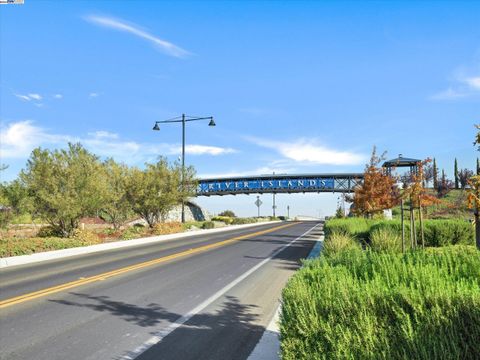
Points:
[385,239]
[354,227]
[166,228]
[85,236]
[208,225]
[227,220]
[133,232]
[48,231]
[241,221]
[382,305]
[436,232]
[337,242]
[227,213]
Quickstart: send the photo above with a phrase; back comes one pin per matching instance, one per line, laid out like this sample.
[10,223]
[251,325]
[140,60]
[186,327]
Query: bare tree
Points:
[463,176]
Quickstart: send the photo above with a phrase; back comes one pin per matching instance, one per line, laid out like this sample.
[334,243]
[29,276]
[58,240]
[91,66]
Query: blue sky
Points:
[296,87]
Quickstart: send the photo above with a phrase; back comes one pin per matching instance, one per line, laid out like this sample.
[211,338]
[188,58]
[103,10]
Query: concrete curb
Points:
[57,254]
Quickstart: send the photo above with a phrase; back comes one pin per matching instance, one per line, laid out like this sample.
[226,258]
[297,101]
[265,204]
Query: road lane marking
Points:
[160,335]
[87,280]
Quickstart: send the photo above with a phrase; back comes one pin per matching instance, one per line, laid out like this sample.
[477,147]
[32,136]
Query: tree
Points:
[473,201]
[463,176]
[444,186]
[15,195]
[428,173]
[478,167]
[455,174]
[116,209]
[228,213]
[435,174]
[339,213]
[377,192]
[65,185]
[154,192]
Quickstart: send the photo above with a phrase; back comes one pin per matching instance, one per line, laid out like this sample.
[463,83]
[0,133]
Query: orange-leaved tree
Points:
[378,191]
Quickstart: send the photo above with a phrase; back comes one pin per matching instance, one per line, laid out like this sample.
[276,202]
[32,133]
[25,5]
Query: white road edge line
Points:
[268,347]
[183,319]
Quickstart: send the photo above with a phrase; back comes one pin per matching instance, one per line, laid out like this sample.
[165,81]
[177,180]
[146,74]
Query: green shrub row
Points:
[354,304]
[436,232]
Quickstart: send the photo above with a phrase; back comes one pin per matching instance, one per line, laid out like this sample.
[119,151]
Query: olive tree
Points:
[116,208]
[155,191]
[65,185]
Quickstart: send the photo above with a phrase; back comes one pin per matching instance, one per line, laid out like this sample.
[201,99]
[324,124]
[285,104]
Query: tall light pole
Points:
[183,119]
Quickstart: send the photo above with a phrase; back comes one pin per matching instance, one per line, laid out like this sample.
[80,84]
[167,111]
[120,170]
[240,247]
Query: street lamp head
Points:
[212,123]
[156,127]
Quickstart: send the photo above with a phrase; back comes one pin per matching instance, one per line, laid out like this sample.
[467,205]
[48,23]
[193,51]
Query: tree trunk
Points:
[477,229]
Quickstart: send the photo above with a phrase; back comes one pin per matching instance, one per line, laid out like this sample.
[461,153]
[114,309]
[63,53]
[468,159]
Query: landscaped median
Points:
[361,303]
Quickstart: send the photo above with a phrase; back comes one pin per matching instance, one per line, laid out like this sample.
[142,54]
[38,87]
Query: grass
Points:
[356,304]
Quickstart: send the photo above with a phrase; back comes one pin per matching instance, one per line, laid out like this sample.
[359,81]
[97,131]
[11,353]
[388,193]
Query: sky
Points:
[294,87]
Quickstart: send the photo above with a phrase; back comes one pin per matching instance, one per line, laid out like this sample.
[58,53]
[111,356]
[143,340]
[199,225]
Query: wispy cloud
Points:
[202,150]
[464,84]
[19,138]
[264,170]
[121,25]
[449,94]
[58,96]
[29,97]
[310,151]
[93,94]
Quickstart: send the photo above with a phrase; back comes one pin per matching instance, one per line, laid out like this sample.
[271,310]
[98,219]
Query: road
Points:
[203,297]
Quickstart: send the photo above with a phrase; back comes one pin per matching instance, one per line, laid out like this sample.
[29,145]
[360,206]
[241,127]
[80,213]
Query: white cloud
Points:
[473,82]
[202,150]
[449,94]
[18,139]
[103,134]
[264,170]
[57,96]
[121,25]
[93,94]
[35,96]
[23,97]
[311,151]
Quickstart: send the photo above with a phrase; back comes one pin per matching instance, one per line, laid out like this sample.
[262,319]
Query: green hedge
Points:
[356,227]
[436,232]
[356,304]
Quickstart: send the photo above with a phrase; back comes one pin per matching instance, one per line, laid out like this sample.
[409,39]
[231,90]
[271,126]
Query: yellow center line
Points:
[109,274]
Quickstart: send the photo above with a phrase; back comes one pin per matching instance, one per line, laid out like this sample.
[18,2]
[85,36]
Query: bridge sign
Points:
[279,184]
[258,202]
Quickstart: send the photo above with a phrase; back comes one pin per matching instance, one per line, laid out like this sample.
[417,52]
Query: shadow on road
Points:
[230,332]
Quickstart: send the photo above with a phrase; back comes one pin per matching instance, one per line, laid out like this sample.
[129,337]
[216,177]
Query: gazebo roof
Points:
[401,161]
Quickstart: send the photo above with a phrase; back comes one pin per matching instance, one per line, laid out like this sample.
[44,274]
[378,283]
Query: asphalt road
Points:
[204,297]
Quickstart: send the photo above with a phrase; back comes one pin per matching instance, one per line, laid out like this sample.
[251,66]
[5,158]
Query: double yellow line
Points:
[87,280]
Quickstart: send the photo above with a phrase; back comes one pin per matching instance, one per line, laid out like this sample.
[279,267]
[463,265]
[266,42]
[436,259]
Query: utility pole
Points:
[288,211]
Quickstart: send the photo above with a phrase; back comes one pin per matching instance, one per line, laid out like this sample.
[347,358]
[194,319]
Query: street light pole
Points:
[183,119]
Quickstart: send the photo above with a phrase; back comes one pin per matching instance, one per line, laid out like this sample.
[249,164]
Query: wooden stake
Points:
[421,227]
[403,226]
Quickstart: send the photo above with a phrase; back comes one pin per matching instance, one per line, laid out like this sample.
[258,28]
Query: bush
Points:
[354,227]
[48,231]
[337,242]
[208,225]
[227,220]
[227,213]
[166,228]
[241,221]
[385,239]
[382,305]
[436,232]
[133,232]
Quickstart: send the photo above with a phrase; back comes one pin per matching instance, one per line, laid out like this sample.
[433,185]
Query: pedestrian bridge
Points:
[276,184]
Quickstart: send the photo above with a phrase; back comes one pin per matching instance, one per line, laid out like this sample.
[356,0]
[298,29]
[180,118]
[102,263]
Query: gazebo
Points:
[401,161]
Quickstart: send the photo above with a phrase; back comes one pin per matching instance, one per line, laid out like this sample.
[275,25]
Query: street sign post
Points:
[258,203]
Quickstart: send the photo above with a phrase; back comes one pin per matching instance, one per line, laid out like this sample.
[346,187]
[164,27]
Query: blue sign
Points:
[269,184]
